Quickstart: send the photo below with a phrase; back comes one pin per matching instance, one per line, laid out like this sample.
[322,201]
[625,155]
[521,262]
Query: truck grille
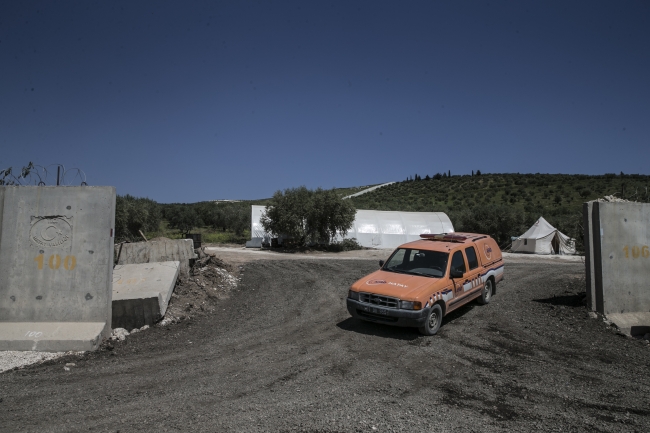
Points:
[379,300]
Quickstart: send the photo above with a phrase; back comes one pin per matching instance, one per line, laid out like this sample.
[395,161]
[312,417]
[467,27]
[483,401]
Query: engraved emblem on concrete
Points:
[51,231]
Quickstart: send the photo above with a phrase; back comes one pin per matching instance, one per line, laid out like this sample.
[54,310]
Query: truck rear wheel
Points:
[486,295]
[434,319]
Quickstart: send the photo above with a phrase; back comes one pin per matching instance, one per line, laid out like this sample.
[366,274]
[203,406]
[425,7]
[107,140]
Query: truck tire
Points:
[486,295]
[434,319]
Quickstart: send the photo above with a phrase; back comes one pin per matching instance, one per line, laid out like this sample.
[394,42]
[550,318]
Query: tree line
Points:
[306,216]
[133,215]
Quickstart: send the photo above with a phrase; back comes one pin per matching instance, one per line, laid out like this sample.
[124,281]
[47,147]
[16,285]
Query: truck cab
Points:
[424,280]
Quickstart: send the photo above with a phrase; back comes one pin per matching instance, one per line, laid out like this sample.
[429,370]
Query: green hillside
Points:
[505,205]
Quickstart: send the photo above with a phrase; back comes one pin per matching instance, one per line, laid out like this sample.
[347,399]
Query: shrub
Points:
[183,218]
[308,216]
[345,245]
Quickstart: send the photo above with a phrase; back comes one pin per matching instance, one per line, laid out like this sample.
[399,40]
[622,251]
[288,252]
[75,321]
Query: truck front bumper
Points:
[388,316]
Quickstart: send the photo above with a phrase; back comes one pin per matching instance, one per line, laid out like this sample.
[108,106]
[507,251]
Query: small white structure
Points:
[373,228]
[543,238]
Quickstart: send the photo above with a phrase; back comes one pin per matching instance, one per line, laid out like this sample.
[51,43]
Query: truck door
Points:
[474,272]
[458,263]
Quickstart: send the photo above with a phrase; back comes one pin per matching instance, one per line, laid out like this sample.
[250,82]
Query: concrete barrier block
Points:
[51,336]
[141,293]
[634,324]
[589,254]
[621,252]
[158,250]
[56,265]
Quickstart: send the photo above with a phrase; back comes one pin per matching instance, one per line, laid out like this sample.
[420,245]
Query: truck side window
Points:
[457,262]
[472,261]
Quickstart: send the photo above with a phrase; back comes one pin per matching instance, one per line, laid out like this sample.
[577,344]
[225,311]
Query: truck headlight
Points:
[353,295]
[410,305]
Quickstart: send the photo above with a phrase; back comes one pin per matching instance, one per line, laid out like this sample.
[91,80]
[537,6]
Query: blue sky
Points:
[190,101]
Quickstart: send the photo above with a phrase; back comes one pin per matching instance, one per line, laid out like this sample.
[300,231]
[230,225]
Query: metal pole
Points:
[58,175]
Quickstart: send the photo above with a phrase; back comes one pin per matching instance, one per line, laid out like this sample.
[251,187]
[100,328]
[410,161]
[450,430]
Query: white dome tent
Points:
[372,228]
[543,238]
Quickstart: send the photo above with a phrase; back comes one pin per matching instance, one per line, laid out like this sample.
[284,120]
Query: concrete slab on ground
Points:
[56,266]
[51,336]
[141,293]
[635,324]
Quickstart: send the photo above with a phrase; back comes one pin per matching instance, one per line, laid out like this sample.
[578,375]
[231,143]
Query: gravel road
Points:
[282,354]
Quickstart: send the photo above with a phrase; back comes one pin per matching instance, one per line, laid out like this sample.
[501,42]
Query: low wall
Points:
[158,250]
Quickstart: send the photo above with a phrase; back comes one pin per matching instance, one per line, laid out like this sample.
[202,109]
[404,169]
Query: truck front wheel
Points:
[434,319]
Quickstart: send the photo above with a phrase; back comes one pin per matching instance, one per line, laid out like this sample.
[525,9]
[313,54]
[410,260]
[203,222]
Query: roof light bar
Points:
[443,237]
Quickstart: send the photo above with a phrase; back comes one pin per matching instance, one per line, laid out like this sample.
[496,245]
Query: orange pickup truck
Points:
[424,280]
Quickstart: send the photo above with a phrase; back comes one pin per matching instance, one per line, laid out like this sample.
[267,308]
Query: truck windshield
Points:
[417,262]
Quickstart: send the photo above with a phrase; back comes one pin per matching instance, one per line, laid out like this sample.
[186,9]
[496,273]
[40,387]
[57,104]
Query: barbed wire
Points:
[34,174]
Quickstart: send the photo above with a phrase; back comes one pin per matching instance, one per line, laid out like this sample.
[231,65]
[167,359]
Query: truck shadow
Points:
[378,329]
[396,332]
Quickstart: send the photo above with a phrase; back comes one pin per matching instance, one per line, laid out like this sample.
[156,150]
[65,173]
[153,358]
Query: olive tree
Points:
[133,214]
[308,216]
[184,218]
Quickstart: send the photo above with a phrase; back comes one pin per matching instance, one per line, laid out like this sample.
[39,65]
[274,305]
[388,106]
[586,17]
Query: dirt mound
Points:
[211,279]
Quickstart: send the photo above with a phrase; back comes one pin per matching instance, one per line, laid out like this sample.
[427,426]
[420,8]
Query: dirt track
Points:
[282,354]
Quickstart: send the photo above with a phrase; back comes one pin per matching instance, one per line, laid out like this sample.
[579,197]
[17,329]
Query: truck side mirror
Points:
[381,263]
[455,273]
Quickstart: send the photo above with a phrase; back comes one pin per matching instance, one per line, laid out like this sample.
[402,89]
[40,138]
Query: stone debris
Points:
[168,320]
[119,334]
[210,280]
[613,199]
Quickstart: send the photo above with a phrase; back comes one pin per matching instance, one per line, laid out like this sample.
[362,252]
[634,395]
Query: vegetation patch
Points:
[506,205]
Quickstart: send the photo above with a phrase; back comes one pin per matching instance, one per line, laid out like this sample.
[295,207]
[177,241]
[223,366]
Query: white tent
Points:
[373,228]
[543,238]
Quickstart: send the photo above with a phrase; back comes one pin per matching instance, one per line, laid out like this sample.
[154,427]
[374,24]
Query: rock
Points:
[119,334]
[145,327]
[66,368]
[592,315]
[70,364]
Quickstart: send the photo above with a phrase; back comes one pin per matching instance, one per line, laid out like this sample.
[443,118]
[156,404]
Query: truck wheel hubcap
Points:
[433,320]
